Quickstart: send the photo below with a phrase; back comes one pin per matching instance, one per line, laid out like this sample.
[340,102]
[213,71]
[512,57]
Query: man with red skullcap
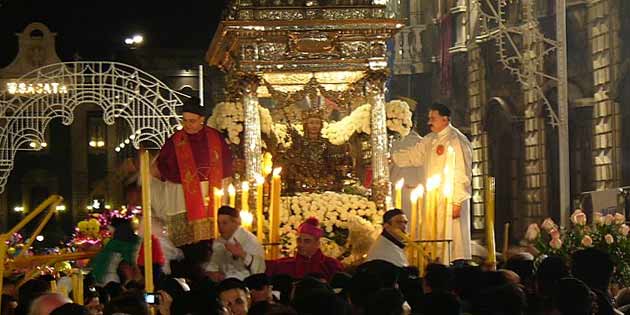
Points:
[309,257]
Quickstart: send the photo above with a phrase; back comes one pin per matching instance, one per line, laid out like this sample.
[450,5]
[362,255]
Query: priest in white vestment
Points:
[430,153]
[237,253]
[389,246]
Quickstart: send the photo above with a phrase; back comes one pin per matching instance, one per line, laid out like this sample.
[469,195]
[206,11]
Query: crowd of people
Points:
[234,280]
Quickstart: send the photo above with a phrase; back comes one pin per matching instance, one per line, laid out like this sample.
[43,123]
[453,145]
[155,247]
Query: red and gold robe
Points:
[185,161]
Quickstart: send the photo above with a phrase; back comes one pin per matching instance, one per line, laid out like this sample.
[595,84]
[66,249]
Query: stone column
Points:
[603,32]
[252,142]
[477,102]
[534,160]
[535,186]
[375,92]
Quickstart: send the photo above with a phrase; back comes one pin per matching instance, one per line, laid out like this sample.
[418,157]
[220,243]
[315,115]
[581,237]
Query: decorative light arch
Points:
[121,91]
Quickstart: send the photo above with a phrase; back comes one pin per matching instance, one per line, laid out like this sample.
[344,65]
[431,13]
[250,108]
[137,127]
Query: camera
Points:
[152,298]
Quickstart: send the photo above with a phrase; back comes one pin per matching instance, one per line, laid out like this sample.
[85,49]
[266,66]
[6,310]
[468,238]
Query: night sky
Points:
[96,29]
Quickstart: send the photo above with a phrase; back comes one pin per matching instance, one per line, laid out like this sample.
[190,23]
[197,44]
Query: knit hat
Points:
[311,227]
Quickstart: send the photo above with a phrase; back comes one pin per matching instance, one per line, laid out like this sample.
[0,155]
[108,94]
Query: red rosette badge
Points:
[439,150]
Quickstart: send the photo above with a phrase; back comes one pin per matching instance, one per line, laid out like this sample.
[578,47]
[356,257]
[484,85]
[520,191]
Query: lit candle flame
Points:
[246,218]
[245,186]
[259,179]
[418,192]
[433,182]
[414,195]
[231,190]
[276,171]
[400,183]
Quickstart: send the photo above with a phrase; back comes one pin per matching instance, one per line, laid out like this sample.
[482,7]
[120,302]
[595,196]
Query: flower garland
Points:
[398,120]
[283,134]
[340,132]
[608,233]
[228,117]
[336,213]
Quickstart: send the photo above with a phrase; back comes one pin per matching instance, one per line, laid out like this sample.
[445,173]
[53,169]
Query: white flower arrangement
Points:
[335,212]
[282,134]
[228,117]
[398,117]
[281,130]
[398,120]
[340,132]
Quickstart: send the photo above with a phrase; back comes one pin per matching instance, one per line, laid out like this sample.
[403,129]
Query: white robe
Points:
[412,174]
[384,249]
[223,261]
[425,154]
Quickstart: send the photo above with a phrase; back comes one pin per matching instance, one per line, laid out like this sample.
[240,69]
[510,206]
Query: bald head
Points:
[47,303]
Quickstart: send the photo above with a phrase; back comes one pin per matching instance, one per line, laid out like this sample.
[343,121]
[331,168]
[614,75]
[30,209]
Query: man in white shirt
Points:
[430,153]
[237,252]
[389,246]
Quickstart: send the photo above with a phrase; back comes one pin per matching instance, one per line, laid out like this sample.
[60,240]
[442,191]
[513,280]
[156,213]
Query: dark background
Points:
[95,30]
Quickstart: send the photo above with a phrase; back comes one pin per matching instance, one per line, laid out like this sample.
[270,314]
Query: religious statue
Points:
[312,163]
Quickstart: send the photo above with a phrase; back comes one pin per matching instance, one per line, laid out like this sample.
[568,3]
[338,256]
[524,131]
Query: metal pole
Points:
[145,176]
[563,112]
[201,85]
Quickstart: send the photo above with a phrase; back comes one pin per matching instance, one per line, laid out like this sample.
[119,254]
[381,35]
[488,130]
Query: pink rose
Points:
[555,234]
[597,218]
[587,241]
[532,232]
[575,214]
[608,219]
[619,218]
[609,239]
[580,219]
[555,243]
[624,229]
[548,224]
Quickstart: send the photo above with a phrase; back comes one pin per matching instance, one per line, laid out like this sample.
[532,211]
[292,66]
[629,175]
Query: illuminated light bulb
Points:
[32,144]
[43,144]
[128,41]
[138,39]
[100,143]
[117,149]
[39,238]
[92,143]
[127,141]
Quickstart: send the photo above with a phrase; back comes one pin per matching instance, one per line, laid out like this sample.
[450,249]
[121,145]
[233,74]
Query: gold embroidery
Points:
[189,181]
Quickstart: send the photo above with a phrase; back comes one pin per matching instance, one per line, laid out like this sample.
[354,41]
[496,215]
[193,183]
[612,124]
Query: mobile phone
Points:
[152,298]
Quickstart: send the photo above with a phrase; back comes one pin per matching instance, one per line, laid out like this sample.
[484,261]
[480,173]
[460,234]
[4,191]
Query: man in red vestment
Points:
[191,163]
[309,257]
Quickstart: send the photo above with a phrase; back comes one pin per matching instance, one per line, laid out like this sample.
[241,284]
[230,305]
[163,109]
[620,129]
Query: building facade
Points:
[492,61]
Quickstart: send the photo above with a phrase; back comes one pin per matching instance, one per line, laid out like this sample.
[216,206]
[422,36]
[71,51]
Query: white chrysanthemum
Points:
[332,209]
[228,117]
